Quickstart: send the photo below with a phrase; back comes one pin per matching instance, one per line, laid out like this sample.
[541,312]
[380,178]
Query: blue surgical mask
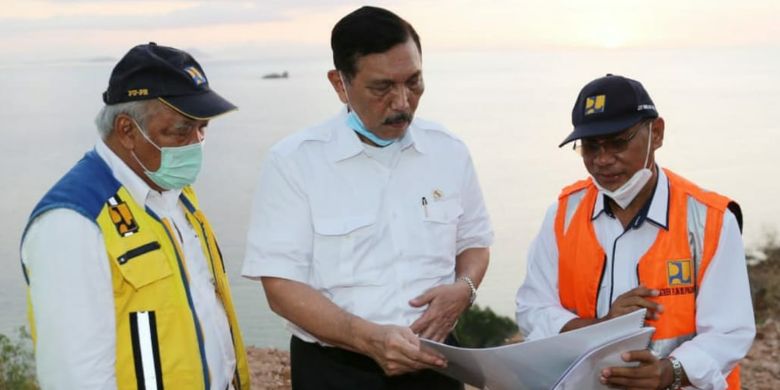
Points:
[179,166]
[354,122]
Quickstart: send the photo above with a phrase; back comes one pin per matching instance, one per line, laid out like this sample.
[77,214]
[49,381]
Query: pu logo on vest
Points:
[121,217]
[678,272]
[595,104]
[679,278]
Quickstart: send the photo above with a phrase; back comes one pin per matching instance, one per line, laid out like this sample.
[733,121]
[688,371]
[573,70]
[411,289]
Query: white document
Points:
[584,372]
[538,364]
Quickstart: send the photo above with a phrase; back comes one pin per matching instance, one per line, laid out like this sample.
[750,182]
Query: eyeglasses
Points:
[591,147]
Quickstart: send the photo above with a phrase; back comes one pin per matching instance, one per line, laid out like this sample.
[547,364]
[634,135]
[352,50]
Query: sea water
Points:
[511,108]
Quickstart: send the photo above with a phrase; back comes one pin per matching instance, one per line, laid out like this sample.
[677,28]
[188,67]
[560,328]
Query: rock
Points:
[761,366]
[269,368]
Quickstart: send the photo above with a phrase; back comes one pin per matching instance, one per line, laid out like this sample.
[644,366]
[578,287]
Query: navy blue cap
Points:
[171,75]
[609,105]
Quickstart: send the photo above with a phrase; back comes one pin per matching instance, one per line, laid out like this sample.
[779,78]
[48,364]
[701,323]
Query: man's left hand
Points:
[651,373]
[445,304]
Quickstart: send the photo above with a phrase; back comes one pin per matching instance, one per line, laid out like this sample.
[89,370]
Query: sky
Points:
[45,30]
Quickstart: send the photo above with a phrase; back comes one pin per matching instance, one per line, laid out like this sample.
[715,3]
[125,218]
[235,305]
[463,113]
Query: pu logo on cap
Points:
[678,272]
[595,104]
[197,77]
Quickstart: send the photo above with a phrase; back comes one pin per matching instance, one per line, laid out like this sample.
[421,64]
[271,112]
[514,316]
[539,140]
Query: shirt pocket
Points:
[440,228]
[339,258]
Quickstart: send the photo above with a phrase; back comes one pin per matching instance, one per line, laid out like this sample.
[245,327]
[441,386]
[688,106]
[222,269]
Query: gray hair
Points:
[140,111]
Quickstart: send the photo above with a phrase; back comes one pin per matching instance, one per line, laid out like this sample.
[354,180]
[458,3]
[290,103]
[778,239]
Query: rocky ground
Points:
[270,368]
[761,367]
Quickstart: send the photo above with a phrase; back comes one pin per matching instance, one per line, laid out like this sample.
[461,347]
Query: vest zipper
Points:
[196,321]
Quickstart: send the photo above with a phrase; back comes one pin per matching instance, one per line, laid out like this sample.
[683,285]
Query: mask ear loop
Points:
[143,133]
[649,144]
[149,140]
[344,85]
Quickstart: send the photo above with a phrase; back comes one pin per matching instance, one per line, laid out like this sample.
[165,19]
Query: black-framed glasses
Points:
[589,147]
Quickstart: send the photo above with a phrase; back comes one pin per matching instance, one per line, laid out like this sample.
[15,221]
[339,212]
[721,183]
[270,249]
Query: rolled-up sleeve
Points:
[539,311]
[474,228]
[724,315]
[279,240]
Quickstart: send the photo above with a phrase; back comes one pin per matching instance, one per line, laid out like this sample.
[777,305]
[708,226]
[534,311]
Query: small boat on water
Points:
[282,75]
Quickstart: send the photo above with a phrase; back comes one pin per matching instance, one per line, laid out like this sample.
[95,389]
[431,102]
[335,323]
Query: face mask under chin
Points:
[356,124]
[627,192]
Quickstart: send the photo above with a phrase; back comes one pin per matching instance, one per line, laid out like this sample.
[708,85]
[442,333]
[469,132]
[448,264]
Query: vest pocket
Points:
[143,265]
[135,252]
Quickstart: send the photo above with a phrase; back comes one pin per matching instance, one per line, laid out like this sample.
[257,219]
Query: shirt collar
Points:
[139,190]
[348,144]
[656,211]
[659,207]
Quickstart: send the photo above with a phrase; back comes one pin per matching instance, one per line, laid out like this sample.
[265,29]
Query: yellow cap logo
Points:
[138,92]
[595,104]
[197,77]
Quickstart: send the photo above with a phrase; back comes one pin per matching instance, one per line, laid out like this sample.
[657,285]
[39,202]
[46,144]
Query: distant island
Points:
[282,75]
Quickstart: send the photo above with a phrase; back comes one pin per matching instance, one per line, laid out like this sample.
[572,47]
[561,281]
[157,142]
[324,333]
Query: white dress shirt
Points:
[72,296]
[724,313]
[369,228]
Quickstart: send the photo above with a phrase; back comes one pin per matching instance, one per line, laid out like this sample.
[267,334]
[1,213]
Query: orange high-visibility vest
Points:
[668,265]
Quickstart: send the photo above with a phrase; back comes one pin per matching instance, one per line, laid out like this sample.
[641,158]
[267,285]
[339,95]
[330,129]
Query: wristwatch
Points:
[473,288]
[676,374]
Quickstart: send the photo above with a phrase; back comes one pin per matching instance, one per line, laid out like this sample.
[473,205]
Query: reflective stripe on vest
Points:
[146,350]
[674,264]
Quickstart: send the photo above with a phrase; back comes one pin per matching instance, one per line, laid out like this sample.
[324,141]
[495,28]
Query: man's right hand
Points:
[636,299]
[398,351]
[395,348]
[632,300]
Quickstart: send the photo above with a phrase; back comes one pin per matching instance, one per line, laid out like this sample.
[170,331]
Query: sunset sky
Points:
[34,30]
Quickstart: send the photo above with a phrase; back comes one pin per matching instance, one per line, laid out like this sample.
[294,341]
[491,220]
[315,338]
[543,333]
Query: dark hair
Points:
[367,30]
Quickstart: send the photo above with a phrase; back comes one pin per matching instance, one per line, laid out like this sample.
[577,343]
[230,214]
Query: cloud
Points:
[39,29]
[119,15]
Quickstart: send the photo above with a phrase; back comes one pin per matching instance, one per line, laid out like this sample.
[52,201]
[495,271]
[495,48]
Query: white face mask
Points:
[624,195]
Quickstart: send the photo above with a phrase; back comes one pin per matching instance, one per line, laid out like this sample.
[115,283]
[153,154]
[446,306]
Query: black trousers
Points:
[314,367]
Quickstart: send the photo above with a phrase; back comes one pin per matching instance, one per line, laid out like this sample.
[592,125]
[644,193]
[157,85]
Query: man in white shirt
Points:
[636,236]
[126,283]
[369,230]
